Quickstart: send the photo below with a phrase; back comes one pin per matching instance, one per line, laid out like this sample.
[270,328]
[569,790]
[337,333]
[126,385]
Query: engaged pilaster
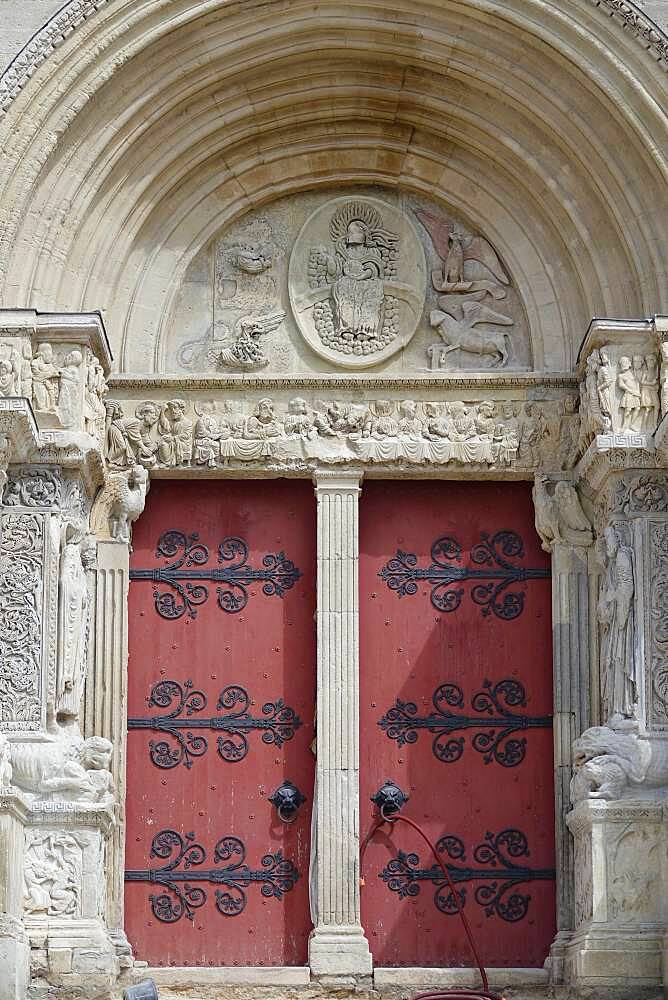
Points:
[338,946]
[567,534]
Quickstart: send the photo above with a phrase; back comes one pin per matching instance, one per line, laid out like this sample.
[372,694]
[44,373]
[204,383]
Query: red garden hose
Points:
[454,994]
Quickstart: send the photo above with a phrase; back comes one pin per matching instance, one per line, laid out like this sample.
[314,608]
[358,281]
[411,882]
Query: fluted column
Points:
[338,946]
[105,704]
[572,710]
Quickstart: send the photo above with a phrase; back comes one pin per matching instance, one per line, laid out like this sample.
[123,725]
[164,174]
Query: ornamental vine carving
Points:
[21,588]
[642,495]
[659,623]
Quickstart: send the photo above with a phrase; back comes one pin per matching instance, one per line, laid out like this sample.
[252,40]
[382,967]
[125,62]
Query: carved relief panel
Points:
[352,280]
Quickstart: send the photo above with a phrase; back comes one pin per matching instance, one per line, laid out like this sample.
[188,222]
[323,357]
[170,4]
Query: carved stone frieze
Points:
[22,554]
[52,874]
[644,494]
[295,433]
[41,488]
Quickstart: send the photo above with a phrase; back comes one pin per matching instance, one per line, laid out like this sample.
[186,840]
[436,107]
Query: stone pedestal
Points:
[337,946]
[65,897]
[14,947]
[620,897]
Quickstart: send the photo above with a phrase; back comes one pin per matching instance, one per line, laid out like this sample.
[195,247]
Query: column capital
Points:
[338,480]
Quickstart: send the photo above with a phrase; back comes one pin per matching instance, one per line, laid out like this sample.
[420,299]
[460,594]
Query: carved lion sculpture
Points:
[70,772]
[608,761]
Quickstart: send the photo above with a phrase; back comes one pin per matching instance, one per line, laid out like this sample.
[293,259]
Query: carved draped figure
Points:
[615,613]
[72,630]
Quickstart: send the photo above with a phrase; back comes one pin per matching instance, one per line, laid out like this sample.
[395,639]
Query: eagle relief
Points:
[357,281]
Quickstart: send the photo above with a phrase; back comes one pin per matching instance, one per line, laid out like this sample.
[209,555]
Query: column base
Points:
[619,895]
[339,951]
[624,956]
[14,959]
[556,961]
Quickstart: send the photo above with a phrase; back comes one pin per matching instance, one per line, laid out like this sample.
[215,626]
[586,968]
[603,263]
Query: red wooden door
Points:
[456,697]
[220,713]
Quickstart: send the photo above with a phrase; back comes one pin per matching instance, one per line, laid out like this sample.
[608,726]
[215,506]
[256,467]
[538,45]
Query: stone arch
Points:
[156,125]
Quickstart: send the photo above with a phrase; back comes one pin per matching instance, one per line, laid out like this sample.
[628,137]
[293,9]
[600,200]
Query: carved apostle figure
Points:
[73,604]
[649,394]
[70,380]
[94,392]
[664,377]
[176,432]
[615,615]
[262,423]
[7,378]
[629,386]
[410,424]
[298,419]
[45,379]
[605,387]
[207,434]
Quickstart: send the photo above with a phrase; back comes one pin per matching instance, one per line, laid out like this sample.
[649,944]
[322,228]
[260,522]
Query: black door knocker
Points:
[287,798]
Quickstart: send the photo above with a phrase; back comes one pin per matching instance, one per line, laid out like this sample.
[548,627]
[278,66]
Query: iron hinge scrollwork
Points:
[500,870]
[186,556]
[491,571]
[183,724]
[182,868]
[497,722]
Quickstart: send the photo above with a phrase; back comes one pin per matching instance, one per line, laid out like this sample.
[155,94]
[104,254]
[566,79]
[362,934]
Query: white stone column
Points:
[14,946]
[338,946]
[105,706]
[572,714]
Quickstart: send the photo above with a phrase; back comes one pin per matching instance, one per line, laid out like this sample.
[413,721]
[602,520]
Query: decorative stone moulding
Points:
[73,14]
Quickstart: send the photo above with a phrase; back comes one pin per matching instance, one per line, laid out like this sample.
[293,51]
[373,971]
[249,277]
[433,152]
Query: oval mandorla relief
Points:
[367,279]
[357,281]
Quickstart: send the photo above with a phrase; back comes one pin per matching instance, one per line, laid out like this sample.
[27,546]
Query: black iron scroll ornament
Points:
[491,569]
[186,571]
[183,858]
[183,724]
[501,867]
[497,722]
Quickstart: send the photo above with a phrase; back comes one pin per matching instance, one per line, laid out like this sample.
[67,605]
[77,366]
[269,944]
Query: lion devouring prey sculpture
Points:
[611,764]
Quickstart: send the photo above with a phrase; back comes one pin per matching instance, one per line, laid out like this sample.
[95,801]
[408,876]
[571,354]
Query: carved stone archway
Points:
[141,149]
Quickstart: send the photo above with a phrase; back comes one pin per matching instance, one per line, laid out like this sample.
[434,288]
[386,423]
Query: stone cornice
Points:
[71,328]
[73,14]
[360,381]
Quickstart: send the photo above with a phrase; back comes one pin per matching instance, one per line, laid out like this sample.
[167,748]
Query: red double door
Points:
[454,710]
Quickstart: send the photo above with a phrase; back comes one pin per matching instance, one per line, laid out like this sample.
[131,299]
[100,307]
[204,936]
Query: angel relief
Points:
[364,288]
